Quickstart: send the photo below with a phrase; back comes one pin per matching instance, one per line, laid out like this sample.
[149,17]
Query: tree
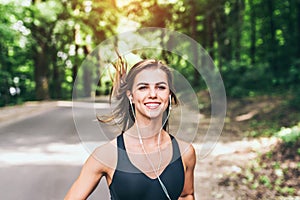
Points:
[252,31]
[44,15]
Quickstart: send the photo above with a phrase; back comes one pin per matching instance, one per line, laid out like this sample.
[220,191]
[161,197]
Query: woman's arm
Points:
[90,175]
[189,159]
[96,166]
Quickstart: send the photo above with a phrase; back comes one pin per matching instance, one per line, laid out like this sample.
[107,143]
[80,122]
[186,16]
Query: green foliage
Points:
[263,127]
[4,88]
[252,42]
[241,81]
[290,135]
[265,181]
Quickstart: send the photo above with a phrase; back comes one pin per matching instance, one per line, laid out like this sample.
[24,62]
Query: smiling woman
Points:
[150,94]
[148,163]
[148,81]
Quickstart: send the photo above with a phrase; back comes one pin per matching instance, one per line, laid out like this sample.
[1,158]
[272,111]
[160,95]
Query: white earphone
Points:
[170,99]
[130,99]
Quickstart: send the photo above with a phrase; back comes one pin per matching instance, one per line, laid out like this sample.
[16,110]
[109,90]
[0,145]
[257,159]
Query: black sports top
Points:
[130,183]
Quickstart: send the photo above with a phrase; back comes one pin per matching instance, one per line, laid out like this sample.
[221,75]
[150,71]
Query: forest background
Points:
[254,44]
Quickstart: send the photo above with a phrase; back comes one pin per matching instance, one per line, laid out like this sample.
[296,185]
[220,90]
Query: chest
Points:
[134,184]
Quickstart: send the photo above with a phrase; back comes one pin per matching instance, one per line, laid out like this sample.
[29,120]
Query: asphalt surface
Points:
[41,153]
[43,146]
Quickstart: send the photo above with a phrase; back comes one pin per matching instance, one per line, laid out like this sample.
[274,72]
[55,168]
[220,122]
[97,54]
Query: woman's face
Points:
[150,93]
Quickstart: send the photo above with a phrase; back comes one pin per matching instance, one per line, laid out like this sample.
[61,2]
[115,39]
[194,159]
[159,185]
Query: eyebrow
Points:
[158,83]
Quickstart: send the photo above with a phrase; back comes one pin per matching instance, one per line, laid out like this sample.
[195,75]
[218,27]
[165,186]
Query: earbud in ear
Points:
[170,101]
[130,99]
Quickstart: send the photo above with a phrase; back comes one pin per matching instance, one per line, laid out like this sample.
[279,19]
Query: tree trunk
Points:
[271,21]
[76,61]
[298,29]
[41,64]
[74,75]
[56,79]
[252,32]
[40,74]
[272,41]
[99,71]
[87,76]
[239,15]
[196,76]
[224,53]
[209,34]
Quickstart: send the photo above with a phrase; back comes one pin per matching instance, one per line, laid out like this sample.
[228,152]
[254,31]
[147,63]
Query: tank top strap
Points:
[123,163]
[120,142]
[176,150]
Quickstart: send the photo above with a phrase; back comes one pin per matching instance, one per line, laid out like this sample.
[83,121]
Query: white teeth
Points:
[152,105]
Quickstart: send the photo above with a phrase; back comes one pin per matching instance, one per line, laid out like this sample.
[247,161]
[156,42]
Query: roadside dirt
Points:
[10,114]
[234,149]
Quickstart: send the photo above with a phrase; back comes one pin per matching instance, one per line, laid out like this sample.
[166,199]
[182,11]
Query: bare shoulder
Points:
[106,153]
[188,152]
[99,164]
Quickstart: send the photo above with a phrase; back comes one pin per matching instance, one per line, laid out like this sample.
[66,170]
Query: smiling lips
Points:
[152,105]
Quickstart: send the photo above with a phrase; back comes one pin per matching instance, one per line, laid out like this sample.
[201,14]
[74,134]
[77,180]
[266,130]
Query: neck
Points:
[147,131]
[148,126]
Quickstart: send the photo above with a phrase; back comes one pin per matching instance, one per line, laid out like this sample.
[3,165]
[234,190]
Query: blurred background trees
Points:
[254,43]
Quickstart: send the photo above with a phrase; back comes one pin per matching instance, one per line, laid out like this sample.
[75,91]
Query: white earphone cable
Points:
[158,143]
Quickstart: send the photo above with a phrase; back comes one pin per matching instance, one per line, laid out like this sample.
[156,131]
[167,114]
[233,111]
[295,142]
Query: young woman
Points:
[148,163]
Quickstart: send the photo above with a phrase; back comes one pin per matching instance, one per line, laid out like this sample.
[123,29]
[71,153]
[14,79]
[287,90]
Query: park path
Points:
[232,151]
[230,155]
[40,152]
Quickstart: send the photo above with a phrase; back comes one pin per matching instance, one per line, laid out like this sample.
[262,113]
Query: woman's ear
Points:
[128,93]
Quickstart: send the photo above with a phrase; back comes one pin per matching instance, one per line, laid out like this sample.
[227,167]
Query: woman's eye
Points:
[162,87]
[142,88]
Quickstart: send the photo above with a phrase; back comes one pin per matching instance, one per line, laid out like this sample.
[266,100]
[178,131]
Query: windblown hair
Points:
[123,82]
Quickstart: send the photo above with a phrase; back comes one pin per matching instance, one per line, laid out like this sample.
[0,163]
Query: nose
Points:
[152,92]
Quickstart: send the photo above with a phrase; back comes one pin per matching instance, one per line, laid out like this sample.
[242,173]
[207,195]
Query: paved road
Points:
[41,156]
[41,153]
